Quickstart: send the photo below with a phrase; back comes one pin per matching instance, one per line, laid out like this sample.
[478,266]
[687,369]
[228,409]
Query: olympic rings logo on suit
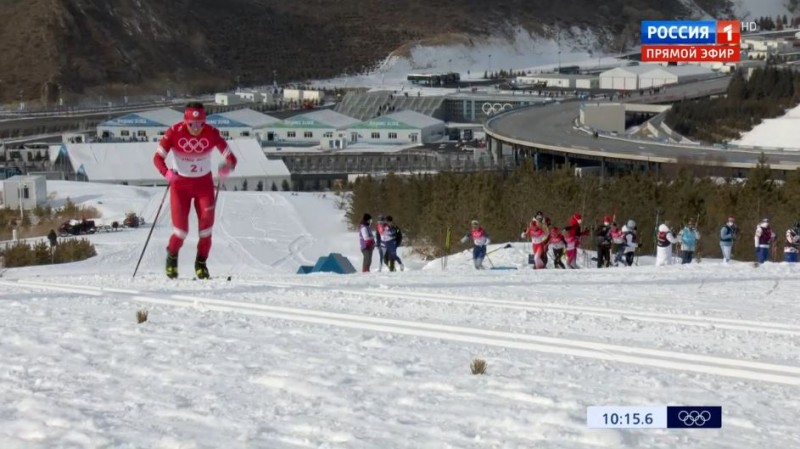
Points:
[494,108]
[694,418]
[193,145]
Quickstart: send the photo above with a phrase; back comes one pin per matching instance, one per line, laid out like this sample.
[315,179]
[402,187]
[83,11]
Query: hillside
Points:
[56,47]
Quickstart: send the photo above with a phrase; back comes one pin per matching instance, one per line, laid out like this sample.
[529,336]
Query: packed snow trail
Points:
[653,358]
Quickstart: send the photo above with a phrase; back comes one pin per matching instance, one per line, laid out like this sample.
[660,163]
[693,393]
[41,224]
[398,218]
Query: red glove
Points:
[225,170]
[171,176]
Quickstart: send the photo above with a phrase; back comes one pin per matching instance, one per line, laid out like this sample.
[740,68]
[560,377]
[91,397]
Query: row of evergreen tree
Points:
[425,206]
[778,23]
[503,74]
[767,93]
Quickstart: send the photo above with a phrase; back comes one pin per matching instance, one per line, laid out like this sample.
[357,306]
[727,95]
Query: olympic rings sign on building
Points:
[494,108]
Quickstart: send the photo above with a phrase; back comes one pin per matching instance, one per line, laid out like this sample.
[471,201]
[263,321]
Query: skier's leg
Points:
[203,193]
[204,207]
[365,265]
[629,258]
[180,202]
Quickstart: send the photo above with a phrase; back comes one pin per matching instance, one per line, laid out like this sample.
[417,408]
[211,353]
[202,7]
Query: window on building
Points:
[245,134]
[124,133]
[308,135]
[141,133]
[25,193]
[224,133]
[328,134]
[290,134]
[393,135]
[376,135]
[413,137]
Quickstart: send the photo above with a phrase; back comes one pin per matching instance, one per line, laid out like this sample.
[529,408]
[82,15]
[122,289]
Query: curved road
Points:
[551,128]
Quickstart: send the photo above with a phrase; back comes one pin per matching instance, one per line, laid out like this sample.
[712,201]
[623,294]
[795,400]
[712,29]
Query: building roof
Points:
[631,69]
[561,76]
[23,178]
[322,118]
[164,117]
[405,119]
[684,70]
[241,118]
[117,162]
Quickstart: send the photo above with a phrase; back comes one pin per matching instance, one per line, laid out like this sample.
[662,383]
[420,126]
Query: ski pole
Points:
[152,226]
[508,245]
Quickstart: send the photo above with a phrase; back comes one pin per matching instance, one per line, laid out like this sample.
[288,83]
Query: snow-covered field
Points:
[778,132]
[272,359]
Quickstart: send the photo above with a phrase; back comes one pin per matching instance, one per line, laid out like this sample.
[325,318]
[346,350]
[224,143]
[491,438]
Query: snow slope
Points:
[277,360]
[752,9]
[471,59]
[778,132]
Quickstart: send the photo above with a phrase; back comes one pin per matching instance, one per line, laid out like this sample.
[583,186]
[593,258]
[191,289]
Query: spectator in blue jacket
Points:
[727,235]
[688,236]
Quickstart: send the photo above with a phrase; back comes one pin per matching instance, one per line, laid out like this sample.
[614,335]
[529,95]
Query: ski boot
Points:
[172,265]
[200,269]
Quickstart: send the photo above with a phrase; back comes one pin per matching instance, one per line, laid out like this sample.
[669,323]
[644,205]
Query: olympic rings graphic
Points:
[694,418]
[491,109]
[193,145]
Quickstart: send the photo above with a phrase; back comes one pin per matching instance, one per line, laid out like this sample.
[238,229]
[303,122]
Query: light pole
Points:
[19,193]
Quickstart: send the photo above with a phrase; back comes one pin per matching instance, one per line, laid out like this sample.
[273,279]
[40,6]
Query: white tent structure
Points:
[623,78]
[132,163]
[661,75]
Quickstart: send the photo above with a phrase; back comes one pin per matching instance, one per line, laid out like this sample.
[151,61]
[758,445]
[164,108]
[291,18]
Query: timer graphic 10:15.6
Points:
[627,419]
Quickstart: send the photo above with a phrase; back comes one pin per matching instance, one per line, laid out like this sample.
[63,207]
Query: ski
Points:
[211,279]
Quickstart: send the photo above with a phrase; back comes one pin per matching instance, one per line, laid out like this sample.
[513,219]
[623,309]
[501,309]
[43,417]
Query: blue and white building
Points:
[147,126]
[243,123]
[310,128]
[402,127]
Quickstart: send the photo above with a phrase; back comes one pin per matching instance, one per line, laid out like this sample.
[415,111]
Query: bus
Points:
[435,79]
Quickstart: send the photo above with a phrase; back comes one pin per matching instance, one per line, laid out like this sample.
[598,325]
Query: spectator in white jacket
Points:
[664,241]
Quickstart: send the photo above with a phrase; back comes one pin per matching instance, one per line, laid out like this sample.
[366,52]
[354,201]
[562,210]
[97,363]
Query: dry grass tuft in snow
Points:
[141,316]
[478,366]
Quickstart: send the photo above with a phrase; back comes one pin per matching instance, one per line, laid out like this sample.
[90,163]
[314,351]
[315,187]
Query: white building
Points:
[303,95]
[30,191]
[562,80]
[228,99]
[623,78]
[759,47]
[132,163]
[310,128]
[661,75]
[401,127]
[139,126]
[242,123]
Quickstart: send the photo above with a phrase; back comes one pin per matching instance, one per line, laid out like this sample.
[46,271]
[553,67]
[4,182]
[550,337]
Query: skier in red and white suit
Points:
[573,238]
[538,233]
[192,142]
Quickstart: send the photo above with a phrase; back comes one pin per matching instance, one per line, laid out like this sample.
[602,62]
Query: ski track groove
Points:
[697,363]
[689,320]
[222,201]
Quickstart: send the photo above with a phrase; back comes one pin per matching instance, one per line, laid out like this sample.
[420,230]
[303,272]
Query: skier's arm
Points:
[758,234]
[365,235]
[225,150]
[671,237]
[164,146]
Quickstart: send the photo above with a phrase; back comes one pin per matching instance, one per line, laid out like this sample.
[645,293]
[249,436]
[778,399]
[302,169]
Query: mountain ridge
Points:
[58,48]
